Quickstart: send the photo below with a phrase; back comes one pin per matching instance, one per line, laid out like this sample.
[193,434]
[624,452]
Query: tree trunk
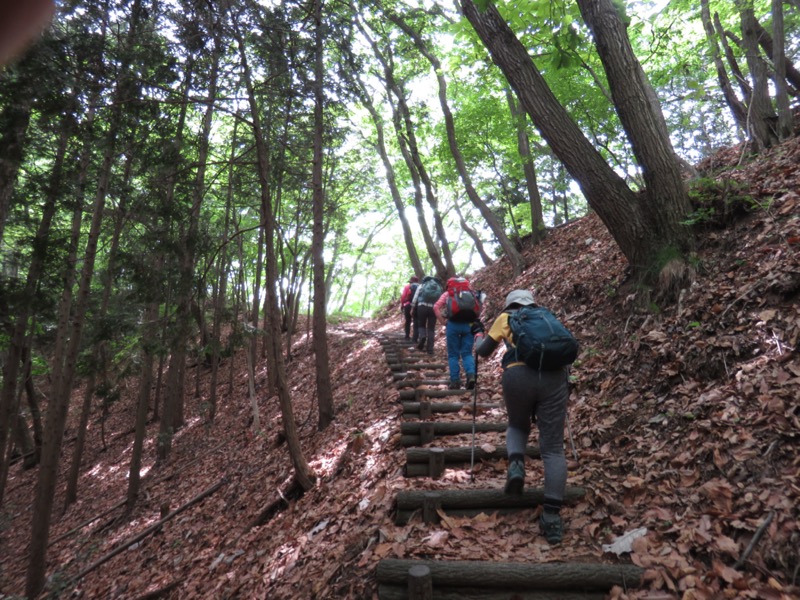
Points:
[517,262]
[221,287]
[64,373]
[321,359]
[380,143]
[17,348]
[791,74]
[645,226]
[303,473]
[149,333]
[665,202]
[99,350]
[785,125]
[14,120]
[738,109]
[538,230]
[477,243]
[761,117]
[401,115]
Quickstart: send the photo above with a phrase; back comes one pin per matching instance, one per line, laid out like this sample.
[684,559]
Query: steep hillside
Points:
[684,415]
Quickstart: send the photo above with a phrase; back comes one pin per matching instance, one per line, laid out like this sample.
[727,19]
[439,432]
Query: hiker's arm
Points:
[486,346]
[439,306]
[497,333]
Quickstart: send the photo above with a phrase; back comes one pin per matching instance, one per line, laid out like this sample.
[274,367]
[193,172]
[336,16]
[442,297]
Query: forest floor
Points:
[685,418]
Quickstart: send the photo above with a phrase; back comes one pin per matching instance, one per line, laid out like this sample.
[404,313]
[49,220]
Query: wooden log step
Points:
[482,498]
[413,408]
[451,427]
[400,375]
[469,575]
[400,592]
[403,517]
[413,383]
[416,393]
[399,367]
[463,454]
[470,503]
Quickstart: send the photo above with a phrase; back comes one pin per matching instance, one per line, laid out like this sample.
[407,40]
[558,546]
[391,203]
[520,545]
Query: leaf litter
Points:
[685,417]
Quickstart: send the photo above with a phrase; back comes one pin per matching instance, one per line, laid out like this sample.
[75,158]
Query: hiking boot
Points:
[421,344]
[454,385]
[471,379]
[552,527]
[515,479]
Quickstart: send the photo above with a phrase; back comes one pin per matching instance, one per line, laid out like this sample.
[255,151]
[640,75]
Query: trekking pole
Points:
[571,441]
[474,410]
[566,419]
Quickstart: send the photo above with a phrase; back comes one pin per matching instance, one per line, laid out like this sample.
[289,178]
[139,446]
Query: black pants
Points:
[426,321]
[410,322]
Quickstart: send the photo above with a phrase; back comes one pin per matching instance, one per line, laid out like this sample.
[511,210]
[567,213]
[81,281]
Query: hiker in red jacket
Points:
[458,307]
[405,306]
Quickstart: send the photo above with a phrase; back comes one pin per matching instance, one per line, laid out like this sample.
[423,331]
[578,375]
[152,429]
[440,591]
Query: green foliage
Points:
[622,11]
[718,202]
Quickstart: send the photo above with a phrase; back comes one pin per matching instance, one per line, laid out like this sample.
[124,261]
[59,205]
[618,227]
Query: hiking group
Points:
[535,379]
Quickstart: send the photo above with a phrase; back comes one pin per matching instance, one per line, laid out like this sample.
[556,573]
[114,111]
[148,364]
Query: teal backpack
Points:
[430,290]
[541,340]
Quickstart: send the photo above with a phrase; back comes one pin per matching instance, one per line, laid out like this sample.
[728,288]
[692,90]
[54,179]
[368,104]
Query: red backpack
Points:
[462,304]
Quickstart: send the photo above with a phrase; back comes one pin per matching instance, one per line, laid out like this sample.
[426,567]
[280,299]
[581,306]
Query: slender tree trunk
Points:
[477,243]
[738,109]
[321,359]
[149,334]
[380,143]
[99,350]
[17,343]
[760,116]
[517,262]
[221,287]
[14,120]
[303,473]
[730,57]
[172,408]
[64,373]
[784,128]
[538,230]
[30,393]
[401,115]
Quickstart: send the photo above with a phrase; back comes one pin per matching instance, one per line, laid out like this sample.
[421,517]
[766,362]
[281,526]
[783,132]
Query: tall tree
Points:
[738,109]
[784,128]
[528,168]
[648,226]
[514,257]
[321,359]
[761,116]
[64,371]
[303,473]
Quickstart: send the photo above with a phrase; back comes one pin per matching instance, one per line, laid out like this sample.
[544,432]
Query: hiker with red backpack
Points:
[425,297]
[459,307]
[406,296]
[539,350]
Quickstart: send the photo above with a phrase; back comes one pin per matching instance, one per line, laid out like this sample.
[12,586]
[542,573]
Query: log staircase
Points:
[421,383]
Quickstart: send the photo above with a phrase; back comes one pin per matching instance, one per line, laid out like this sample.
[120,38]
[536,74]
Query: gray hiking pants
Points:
[542,394]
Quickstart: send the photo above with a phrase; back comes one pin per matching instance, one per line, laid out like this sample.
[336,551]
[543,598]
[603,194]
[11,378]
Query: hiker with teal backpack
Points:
[427,294]
[459,307]
[406,296]
[539,350]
